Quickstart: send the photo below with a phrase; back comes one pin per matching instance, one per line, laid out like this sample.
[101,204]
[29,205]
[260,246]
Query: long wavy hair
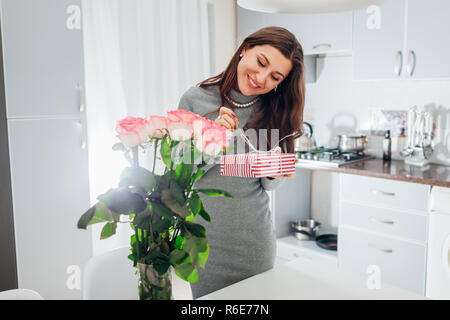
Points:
[283,109]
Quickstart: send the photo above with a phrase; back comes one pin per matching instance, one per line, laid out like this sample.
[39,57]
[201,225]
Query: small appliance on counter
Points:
[419,146]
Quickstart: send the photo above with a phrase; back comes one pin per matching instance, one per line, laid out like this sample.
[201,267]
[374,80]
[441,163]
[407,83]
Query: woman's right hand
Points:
[227,118]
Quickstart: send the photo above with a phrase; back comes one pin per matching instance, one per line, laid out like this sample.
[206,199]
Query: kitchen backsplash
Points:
[338,104]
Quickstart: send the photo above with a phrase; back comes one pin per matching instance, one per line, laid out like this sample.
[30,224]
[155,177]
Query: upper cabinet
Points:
[404,39]
[317,33]
[43,57]
[378,41]
[427,52]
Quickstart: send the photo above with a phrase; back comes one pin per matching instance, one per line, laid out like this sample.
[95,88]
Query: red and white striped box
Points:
[257,165]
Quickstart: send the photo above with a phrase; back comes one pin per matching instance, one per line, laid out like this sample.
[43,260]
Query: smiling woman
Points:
[263,89]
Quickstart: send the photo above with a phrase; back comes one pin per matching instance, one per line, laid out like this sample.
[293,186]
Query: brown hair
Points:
[282,109]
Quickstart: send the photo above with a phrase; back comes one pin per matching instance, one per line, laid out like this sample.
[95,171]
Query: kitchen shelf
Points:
[291,248]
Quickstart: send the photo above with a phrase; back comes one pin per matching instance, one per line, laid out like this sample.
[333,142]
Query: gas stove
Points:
[324,157]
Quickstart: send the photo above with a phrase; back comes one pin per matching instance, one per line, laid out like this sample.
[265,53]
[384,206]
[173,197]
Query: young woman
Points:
[261,88]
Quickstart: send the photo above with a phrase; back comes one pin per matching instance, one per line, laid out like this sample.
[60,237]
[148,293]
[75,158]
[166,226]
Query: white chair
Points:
[111,276]
[20,294]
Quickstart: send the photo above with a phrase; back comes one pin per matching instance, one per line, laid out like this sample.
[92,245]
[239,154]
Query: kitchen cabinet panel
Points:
[50,190]
[392,261]
[378,34]
[388,221]
[317,33]
[428,48]
[397,194]
[43,57]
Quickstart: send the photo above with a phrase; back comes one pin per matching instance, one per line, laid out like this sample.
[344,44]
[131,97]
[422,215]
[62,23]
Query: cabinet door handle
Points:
[380,249]
[411,64]
[375,219]
[83,134]
[379,192]
[398,63]
[80,97]
[325,45]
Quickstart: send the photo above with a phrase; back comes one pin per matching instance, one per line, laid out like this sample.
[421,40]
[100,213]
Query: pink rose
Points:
[132,131]
[210,137]
[180,124]
[157,126]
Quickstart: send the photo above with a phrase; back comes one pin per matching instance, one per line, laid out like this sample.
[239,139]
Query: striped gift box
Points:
[257,165]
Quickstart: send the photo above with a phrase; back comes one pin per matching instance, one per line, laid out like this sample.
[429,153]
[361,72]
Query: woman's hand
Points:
[227,118]
[291,175]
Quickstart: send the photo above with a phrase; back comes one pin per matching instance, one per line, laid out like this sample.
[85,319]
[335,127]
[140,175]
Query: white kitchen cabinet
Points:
[43,61]
[378,34]
[49,173]
[428,48]
[395,261]
[383,228]
[317,33]
[402,39]
[398,194]
[43,56]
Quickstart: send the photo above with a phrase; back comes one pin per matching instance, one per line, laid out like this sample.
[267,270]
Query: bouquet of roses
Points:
[162,209]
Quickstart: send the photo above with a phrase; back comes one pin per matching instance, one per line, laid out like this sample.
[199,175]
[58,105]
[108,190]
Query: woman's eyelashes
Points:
[262,65]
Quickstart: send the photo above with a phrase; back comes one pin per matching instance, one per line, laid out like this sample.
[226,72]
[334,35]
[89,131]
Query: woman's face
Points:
[261,69]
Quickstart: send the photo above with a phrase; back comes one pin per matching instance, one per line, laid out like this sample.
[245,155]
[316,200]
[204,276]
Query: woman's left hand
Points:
[291,175]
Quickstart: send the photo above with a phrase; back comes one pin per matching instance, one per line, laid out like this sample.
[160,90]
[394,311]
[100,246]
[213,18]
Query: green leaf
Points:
[179,242]
[187,272]
[196,229]
[143,220]
[86,218]
[162,225]
[194,246]
[202,213]
[137,176]
[166,153]
[177,256]
[215,193]
[108,230]
[177,192]
[197,175]
[185,177]
[168,199]
[195,203]
[162,210]
[119,146]
[123,201]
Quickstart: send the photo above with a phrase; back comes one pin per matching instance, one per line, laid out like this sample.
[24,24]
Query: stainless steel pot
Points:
[305,229]
[348,143]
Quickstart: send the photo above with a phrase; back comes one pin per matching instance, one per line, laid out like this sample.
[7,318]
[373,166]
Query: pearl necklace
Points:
[241,105]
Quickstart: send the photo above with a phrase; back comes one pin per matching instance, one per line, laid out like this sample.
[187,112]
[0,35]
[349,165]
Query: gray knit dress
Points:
[241,233]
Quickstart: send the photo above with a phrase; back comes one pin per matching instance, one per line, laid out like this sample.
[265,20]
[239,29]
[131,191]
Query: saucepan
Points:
[351,143]
[305,229]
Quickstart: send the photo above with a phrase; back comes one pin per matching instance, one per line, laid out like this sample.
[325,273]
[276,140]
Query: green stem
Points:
[135,156]
[154,156]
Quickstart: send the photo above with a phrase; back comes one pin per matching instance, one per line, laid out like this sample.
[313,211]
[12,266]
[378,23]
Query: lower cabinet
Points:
[387,239]
[397,262]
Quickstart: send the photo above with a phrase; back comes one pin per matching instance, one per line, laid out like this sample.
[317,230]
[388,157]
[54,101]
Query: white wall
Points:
[335,100]
[224,32]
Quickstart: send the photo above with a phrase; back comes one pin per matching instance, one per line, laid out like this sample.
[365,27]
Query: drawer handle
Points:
[374,219]
[374,191]
[321,45]
[301,256]
[380,249]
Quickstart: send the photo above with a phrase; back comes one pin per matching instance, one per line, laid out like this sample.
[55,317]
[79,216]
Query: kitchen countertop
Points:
[303,279]
[432,174]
